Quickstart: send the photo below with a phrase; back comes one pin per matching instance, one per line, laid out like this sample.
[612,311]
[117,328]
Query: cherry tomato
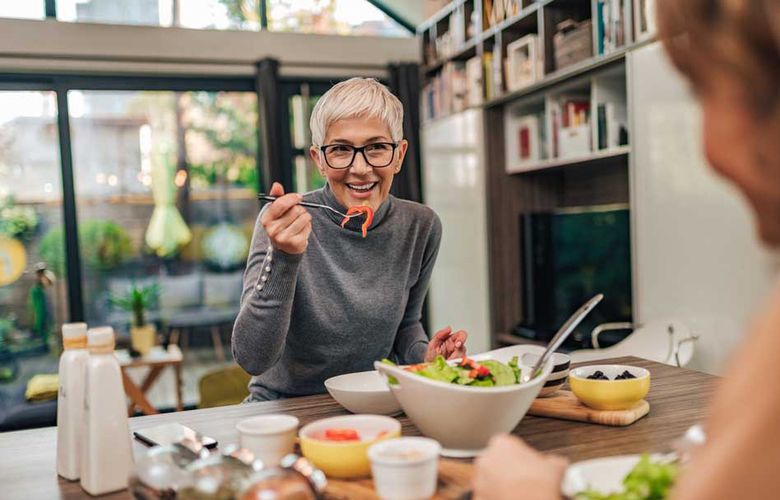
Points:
[342,435]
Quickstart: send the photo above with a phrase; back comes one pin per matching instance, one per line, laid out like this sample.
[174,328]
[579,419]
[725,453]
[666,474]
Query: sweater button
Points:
[268,269]
[263,278]
[259,287]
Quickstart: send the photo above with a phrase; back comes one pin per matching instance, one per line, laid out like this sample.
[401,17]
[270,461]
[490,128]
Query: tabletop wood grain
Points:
[677,400]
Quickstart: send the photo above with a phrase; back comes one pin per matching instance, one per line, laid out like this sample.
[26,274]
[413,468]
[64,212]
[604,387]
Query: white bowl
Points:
[405,468]
[462,418]
[363,392]
[560,372]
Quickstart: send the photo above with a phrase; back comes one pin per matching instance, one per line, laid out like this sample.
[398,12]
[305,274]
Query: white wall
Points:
[696,255]
[31,45]
[454,186]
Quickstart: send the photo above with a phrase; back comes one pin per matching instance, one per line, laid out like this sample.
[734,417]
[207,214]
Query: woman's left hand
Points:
[447,344]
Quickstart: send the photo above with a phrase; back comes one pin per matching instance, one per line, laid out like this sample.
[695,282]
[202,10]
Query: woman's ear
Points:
[403,145]
[316,157]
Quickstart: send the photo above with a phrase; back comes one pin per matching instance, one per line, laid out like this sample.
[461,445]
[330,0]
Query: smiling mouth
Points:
[362,188]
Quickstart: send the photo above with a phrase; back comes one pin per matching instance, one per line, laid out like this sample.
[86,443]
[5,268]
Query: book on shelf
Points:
[611,131]
[527,139]
[457,28]
[474,82]
[572,42]
[613,25]
[524,64]
[448,92]
[498,71]
[487,64]
[496,11]
[493,74]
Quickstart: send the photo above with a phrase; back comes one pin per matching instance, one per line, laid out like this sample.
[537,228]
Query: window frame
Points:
[60,84]
[50,13]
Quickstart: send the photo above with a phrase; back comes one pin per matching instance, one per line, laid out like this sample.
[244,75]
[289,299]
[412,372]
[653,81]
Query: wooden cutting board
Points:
[566,406]
[454,482]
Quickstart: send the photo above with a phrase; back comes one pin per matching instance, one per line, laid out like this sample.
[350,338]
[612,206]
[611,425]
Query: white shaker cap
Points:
[74,330]
[100,336]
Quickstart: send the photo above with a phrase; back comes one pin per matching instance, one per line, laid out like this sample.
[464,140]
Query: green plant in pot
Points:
[137,301]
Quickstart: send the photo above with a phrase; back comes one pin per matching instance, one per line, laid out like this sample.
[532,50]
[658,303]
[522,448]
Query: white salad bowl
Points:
[363,392]
[462,418]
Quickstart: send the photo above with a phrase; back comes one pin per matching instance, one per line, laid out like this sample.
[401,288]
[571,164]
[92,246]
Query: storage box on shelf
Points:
[572,42]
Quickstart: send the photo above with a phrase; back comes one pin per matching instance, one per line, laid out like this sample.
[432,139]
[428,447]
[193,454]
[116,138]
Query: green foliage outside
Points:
[229,127]
[103,245]
[17,221]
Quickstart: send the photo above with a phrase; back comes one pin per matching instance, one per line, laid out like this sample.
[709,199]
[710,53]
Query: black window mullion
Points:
[50,8]
[72,257]
[263,5]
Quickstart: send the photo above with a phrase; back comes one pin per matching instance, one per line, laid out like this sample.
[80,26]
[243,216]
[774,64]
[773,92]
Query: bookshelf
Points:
[551,80]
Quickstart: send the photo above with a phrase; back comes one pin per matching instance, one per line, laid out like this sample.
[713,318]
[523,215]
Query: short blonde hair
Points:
[357,97]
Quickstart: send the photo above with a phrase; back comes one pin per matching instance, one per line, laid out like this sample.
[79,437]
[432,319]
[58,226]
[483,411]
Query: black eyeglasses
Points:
[376,154]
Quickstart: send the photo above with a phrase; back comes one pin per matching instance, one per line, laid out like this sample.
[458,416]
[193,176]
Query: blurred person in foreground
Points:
[730,52]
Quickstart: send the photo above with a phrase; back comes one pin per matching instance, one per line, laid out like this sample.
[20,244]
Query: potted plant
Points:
[137,301]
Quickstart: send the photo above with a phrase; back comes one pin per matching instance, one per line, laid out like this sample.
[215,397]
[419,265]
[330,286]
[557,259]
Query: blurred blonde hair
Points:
[740,37]
[357,97]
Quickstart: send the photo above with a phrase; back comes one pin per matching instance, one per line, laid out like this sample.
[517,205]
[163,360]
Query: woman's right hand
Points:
[287,224]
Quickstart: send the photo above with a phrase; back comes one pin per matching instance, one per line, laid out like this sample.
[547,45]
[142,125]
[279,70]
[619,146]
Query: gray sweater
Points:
[342,304]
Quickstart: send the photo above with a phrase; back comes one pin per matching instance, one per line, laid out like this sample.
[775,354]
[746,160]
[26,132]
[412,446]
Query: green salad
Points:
[648,480]
[488,373]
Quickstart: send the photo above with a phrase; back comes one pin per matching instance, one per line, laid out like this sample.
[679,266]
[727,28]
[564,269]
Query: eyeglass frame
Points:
[362,151]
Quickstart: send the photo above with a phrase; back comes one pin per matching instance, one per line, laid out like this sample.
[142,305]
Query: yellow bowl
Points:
[346,459]
[609,394]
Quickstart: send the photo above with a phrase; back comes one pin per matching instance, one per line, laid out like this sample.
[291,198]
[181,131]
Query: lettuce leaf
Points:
[502,374]
[440,370]
[390,379]
[513,364]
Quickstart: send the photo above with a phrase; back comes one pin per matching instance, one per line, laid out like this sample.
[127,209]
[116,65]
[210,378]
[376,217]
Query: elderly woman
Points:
[731,53]
[320,300]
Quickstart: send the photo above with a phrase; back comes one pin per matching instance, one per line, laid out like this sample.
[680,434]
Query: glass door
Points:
[33,278]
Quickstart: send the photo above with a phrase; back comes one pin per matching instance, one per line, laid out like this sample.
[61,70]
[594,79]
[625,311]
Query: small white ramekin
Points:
[397,478]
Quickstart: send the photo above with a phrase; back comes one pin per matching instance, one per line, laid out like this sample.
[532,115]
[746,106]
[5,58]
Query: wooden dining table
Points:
[678,399]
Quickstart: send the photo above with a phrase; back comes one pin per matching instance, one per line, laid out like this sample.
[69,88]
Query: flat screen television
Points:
[567,256]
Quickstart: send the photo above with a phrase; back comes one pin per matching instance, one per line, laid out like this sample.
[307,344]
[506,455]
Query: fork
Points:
[265,197]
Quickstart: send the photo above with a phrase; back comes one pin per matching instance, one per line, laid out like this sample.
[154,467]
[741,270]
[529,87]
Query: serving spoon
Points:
[265,197]
[561,335]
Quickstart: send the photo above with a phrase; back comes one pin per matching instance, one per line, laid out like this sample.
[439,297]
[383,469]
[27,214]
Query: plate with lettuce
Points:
[626,477]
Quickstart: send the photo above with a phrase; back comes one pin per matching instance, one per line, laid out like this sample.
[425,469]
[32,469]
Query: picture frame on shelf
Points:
[474,82]
[524,64]
[524,141]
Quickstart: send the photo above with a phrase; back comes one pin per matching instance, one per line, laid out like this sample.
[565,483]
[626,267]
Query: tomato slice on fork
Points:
[360,209]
